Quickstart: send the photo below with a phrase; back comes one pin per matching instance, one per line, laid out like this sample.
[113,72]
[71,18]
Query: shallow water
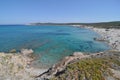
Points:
[50,43]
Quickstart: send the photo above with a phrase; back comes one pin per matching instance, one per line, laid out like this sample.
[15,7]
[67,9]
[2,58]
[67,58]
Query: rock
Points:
[13,51]
[78,54]
[26,52]
[106,29]
[99,39]
[13,67]
[116,73]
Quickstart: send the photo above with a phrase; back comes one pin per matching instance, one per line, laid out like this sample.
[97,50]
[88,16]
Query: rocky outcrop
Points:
[60,68]
[15,66]
[26,52]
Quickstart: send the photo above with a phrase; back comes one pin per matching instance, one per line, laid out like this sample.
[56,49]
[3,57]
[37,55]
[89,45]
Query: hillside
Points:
[114,24]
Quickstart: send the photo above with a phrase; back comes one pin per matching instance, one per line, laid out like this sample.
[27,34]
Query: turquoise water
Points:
[50,43]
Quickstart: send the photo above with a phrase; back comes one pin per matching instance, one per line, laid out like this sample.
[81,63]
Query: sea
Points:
[50,43]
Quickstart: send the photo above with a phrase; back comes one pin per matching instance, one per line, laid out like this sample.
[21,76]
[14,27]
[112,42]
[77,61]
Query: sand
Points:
[112,36]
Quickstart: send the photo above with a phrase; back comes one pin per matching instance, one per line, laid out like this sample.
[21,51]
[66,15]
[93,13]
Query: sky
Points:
[83,11]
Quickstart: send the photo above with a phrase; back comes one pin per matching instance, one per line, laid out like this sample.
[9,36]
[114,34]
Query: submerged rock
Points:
[13,51]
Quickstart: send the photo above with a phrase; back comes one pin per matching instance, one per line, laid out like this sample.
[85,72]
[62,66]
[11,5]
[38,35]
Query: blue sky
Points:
[27,11]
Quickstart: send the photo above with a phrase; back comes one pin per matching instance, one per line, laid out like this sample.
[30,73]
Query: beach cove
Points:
[49,43]
[24,60]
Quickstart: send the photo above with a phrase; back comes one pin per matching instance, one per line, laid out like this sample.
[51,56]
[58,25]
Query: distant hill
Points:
[114,24]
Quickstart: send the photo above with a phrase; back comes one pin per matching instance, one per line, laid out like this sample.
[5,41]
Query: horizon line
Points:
[56,22]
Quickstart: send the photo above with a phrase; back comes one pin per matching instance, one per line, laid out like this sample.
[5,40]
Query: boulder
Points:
[78,54]
[26,52]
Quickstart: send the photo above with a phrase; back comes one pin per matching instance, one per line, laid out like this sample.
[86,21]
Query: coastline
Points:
[24,59]
[55,72]
[111,36]
[16,65]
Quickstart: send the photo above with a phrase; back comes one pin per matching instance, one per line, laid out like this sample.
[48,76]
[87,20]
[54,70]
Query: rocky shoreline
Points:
[111,36]
[16,66]
[57,69]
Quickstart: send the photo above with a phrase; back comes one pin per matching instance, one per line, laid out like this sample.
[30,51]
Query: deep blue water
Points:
[50,43]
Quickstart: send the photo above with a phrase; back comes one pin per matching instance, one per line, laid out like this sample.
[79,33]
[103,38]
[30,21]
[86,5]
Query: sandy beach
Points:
[112,36]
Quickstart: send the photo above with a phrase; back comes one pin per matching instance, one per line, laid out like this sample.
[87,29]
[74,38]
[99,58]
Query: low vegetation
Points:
[89,69]
[115,24]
